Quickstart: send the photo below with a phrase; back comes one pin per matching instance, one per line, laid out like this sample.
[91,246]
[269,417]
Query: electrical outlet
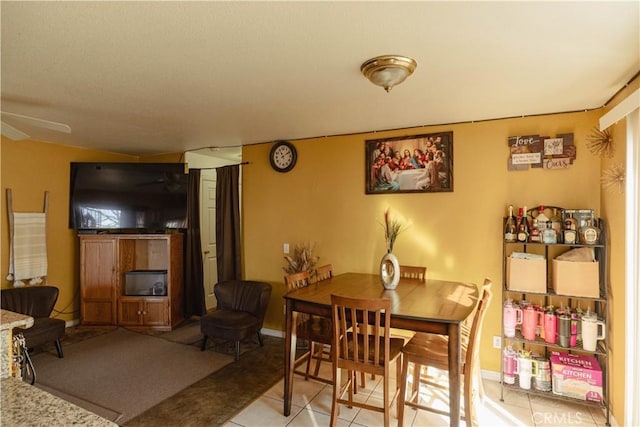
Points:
[285,248]
[497,341]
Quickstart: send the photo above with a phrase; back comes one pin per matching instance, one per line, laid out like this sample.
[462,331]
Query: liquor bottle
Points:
[534,232]
[589,234]
[510,227]
[523,227]
[542,218]
[570,232]
[549,235]
[556,224]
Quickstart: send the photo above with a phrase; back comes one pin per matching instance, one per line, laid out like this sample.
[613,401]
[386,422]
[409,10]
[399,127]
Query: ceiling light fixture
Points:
[388,70]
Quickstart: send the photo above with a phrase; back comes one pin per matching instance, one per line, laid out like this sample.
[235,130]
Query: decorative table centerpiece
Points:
[389,266]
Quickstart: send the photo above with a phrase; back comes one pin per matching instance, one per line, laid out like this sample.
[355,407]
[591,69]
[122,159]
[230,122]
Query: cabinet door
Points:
[156,312]
[97,281]
[130,311]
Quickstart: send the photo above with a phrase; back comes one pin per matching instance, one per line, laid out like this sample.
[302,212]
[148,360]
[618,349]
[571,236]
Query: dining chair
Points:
[412,272]
[363,349]
[323,350]
[324,272]
[431,350]
[313,329]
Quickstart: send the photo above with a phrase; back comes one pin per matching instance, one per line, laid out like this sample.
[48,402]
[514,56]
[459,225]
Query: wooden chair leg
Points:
[335,407]
[319,355]
[312,345]
[204,343]
[403,390]
[469,405]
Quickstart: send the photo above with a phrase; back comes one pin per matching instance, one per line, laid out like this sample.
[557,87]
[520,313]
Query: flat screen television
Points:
[144,197]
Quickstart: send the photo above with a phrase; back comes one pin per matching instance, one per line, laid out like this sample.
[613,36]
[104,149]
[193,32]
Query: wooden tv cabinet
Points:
[104,261]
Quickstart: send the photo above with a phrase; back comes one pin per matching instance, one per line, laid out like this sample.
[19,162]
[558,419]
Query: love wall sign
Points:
[541,152]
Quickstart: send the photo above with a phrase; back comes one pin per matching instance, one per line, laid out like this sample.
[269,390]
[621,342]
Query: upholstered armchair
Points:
[37,302]
[242,305]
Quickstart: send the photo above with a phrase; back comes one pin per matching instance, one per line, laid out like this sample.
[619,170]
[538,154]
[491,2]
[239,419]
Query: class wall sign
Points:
[541,152]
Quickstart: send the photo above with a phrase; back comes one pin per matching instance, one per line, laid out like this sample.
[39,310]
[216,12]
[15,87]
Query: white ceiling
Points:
[156,77]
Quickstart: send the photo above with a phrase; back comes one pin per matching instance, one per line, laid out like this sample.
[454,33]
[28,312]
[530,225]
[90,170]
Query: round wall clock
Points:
[283,156]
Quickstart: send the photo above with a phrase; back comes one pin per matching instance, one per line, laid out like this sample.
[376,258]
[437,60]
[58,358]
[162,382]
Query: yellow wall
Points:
[457,235]
[613,208]
[30,168]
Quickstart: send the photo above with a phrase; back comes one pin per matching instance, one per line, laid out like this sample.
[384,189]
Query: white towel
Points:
[28,257]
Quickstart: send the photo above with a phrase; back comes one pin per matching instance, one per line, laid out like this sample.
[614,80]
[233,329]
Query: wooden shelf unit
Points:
[104,262]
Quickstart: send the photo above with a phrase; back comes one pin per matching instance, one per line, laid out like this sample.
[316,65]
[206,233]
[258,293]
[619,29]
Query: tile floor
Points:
[311,406]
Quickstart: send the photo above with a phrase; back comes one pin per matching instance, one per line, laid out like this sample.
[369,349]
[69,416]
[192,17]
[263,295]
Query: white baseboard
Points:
[490,375]
[70,323]
[273,333]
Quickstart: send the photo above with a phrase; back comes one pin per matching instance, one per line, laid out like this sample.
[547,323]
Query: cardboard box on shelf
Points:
[574,278]
[527,275]
[576,376]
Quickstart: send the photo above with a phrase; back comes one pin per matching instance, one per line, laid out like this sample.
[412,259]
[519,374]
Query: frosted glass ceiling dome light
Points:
[388,70]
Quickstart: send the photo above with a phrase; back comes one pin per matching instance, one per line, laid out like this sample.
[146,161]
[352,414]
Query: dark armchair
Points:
[37,302]
[242,305]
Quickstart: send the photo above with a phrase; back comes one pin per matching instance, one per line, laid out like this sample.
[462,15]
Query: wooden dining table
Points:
[435,306]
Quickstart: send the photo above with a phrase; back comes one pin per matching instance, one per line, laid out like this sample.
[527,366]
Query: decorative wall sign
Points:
[541,152]
[409,164]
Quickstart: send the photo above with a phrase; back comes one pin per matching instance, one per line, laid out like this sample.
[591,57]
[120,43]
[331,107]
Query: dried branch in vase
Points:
[392,228]
[302,259]
[600,142]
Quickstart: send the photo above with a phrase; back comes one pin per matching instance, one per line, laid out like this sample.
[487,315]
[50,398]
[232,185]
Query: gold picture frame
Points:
[409,164]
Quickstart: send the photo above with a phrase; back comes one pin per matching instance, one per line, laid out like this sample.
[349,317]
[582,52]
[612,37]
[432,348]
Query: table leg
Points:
[454,374]
[289,355]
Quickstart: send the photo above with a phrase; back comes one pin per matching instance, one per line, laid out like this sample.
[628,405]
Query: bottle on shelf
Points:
[589,234]
[539,224]
[510,227]
[556,224]
[534,232]
[542,218]
[549,235]
[523,226]
[570,232]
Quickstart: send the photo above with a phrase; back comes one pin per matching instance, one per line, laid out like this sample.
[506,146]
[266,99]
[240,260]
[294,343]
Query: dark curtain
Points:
[228,223]
[194,304]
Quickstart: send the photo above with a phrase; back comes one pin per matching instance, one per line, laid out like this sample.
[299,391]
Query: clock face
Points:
[283,156]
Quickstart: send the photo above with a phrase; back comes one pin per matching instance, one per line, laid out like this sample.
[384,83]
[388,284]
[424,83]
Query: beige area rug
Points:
[121,374]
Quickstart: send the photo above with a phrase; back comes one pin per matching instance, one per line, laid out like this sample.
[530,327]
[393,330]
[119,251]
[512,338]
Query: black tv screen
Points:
[119,196]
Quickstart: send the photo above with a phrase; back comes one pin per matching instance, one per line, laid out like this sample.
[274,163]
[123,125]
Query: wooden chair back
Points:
[324,272]
[432,350]
[297,280]
[412,272]
[362,343]
[473,346]
[316,330]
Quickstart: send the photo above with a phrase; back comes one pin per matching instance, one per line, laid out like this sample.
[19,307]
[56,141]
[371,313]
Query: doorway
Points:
[207,159]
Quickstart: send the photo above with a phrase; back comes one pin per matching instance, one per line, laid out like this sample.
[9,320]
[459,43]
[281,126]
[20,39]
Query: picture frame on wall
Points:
[409,164]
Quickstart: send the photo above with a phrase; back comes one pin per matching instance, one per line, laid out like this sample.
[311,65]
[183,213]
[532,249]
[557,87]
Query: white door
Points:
[208,234]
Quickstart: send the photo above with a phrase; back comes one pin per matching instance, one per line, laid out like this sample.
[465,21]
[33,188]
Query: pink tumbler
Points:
[512,317]
[509,365]
[550,326]
[531,321]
